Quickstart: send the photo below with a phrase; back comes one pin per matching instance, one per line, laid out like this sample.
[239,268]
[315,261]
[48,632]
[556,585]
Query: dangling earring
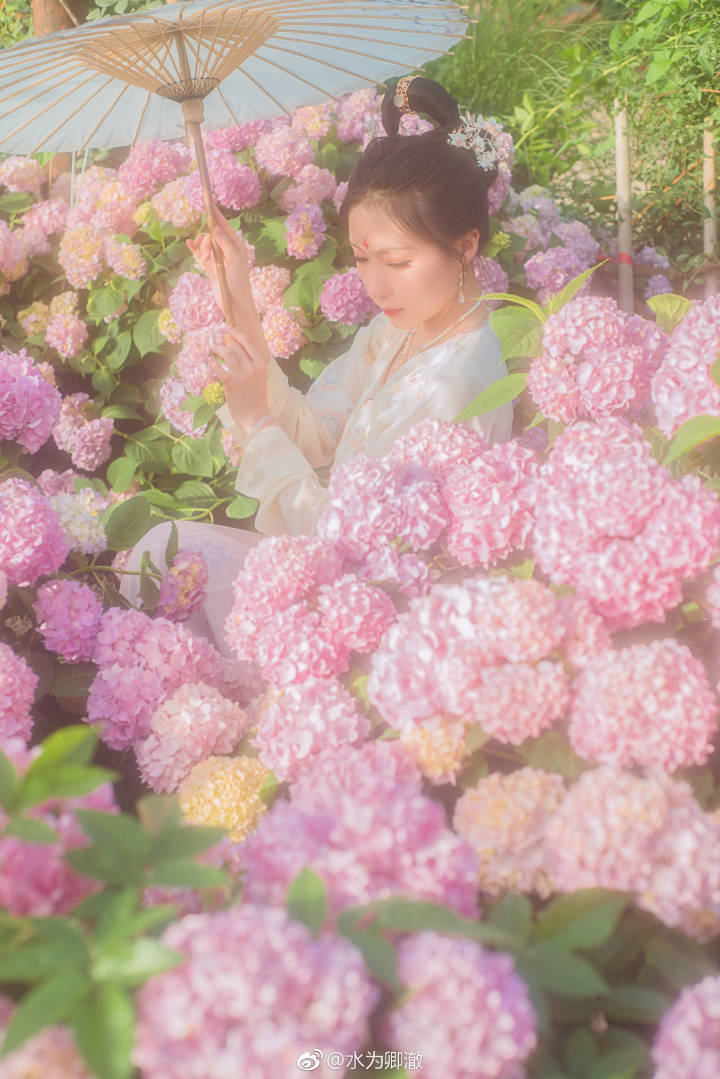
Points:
[461,282]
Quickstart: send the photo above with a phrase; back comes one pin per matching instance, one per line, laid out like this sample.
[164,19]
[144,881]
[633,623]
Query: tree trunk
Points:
[49,16]
[710,227]
[626,297]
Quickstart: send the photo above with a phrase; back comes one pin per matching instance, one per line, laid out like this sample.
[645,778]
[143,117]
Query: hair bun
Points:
[425,96]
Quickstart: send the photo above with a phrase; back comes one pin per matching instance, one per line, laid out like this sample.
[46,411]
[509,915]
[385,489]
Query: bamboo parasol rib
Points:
[79,88]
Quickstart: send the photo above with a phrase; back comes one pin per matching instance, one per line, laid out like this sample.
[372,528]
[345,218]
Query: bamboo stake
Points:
[710,227]
[624,211]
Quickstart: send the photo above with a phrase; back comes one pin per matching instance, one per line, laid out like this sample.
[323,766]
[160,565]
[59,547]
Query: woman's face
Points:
[410,278]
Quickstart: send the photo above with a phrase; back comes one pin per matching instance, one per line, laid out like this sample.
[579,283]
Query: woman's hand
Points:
[242,370]
[235,260]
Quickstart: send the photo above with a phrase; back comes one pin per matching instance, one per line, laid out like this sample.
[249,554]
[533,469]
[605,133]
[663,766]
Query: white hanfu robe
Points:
[348,410]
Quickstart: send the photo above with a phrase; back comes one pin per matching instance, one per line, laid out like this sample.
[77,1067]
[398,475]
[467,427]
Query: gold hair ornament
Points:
[401,94]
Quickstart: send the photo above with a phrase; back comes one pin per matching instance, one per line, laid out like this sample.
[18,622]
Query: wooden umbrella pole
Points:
[710,227]
[624,211]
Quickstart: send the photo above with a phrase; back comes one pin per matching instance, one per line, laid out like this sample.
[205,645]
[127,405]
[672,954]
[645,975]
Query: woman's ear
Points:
[468,245]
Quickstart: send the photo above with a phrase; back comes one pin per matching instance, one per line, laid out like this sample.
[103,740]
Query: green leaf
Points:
[635,1004]
[120,351]
[193,457]
[47,1004]
[552,967]
[121,412]
[64,781]
[583,919]
[241,507]
[187,841]
[8,782]
[312,367]
[571,289]
[131,962]
[146,335]
[552,752]
[121,473]
[185,873]
[272,236]
[307,899]
[519,332]
[397,914]
[118,833]
[508,297]
[70,745]
[104,1028]
[498,393]
[73,683]
[31,831]
[195,492]
[680,960]
[691,434]
[171,548]
[512,913]
[378,954]
[127,523]
[15,202]
[715,371]
[669,309]
[103,302]
[41,959]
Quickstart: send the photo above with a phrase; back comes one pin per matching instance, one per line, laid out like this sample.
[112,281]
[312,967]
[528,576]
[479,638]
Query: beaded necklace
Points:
[403,353]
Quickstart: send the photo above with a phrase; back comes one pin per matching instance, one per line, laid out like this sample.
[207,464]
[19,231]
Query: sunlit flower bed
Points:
[451,807]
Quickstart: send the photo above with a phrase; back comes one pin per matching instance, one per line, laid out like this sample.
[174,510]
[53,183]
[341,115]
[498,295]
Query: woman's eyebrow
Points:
[382,250]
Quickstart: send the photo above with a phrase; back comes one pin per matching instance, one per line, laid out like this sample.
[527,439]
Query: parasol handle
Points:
[193,129]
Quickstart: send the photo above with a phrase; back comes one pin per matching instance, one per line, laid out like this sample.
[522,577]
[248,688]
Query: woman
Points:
[416,213]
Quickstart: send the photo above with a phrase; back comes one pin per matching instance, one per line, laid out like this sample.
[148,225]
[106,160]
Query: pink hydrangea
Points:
[195,361]
[687,1042]
[49,217]
[17,693]
[183,586]
[358,819]
[438,446]
[408,573]
[305,231]
[339,196]
[172,395]
[465,1004]
[549,271]
[23,174]
[491,501]
[81,254]
[504,819]
[312,120]
[124,259]
[86,440]
[234,185]
[29,401]
[268,284]
[355,112]
[648,837]
[593,362]
[491,277]
[80,517]
[67,334]
[236,138]
[628,558]
[475,652]
[355,614]
[35,879]
[142,661]
[180,202]
[51,1052]
[298,722]
[647,704]
[313,185]
[68,615]
[586,634]
[499,188]
[13,258]
[344,299]
[194,723]
[283,151]
[256,991]
[283,334]
[374,501]
[295,644]
[192,303]
[31,539]
[150,164]
[683,386]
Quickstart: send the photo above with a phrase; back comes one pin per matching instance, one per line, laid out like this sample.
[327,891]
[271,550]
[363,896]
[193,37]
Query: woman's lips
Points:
[392,311]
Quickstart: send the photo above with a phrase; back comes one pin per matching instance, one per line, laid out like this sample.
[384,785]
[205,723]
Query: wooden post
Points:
[710,226]
[626,298]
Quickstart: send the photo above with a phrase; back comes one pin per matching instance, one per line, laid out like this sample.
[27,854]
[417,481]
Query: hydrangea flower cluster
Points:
[13,258]
[282,151]
[192,303]
[356,817]
[180,202]
[344,299]
[172,394]
[305,231]
[298,722]
[268,284]
[683,386]
[627,558]
[183,586]
[141,662]
[648,704]
[80,517]
[66,333]
[17,693]
[649,837]
[687,1043]
[466,1004]
[313,184]
[50,1052]
[31,539]
[29,401]
[150,164]
[225,792]
[593,364]
[256,989]
[69,615]
[194,723]
[490,277]
[504,818]
[86,440]
[476,652]
[23,174]
[283,334]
